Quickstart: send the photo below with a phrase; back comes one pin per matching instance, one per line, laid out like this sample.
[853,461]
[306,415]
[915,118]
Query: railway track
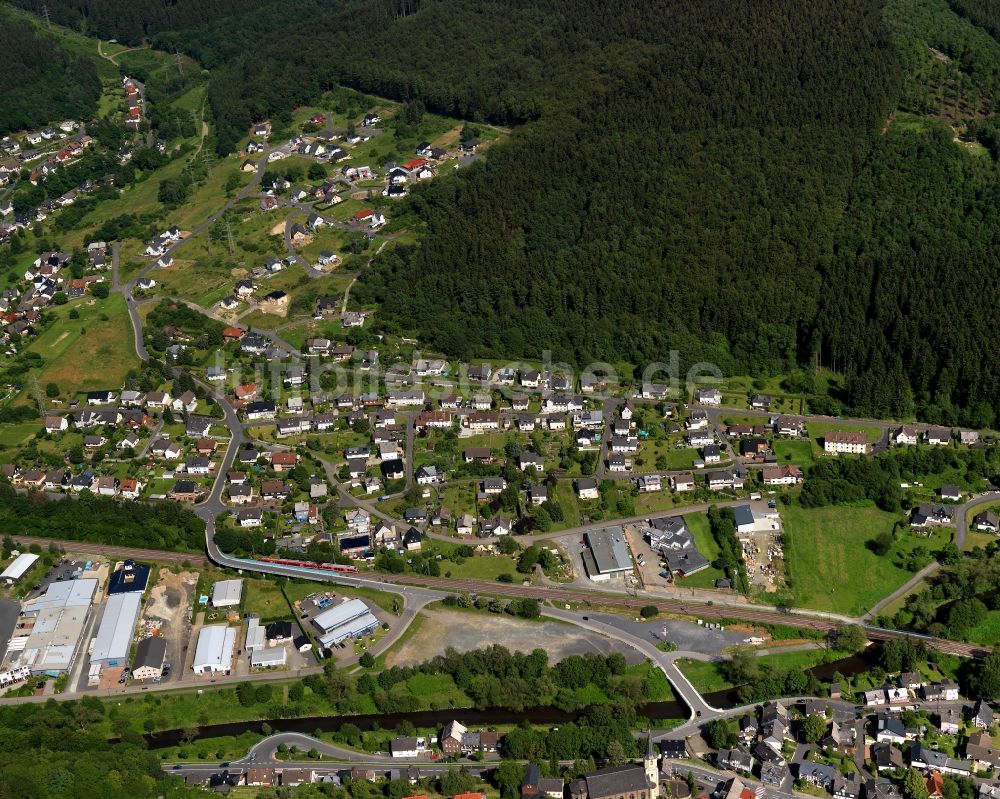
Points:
[700,610]
[694,609]
[110,550]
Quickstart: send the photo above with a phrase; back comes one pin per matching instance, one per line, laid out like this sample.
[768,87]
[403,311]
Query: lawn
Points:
[479,567]
[708,676]
[988,632]
[566,497]
[264,598]
[654,502]
[829,565]
[89,352]
[698,525]
[798,453]
[17,434]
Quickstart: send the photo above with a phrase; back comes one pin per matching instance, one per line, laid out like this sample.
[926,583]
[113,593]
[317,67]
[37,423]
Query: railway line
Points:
[110,550]
[553,594]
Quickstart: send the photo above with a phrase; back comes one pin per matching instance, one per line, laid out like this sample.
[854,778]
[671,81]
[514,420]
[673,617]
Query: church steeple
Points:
[652,765]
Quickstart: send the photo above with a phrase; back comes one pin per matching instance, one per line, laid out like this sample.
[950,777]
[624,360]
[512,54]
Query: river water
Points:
[436,719]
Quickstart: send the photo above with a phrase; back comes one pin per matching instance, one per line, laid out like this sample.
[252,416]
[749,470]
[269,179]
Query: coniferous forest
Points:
[40,82]
[737,181]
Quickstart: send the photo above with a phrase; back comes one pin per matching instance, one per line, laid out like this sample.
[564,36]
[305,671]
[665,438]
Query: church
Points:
[633,781]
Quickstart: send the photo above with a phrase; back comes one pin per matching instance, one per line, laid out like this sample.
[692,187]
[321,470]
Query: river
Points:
[436,719]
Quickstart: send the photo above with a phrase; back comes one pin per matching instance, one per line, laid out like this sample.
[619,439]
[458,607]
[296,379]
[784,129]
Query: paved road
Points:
[903,590]
[963,511]
[10,609]
[683,688]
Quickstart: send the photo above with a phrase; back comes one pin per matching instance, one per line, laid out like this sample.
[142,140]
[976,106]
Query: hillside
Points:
[131,22]
[763,187]
[41,82]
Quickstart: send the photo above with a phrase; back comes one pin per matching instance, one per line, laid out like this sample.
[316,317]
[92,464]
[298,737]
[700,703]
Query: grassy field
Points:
[798,453]
[264,598]
[988,632]
[698,525]
[482,567]
[829,564]
[708,676]
[89,352]
[654,502]
[16,434]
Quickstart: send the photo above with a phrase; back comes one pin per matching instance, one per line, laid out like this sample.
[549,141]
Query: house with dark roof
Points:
[737,759]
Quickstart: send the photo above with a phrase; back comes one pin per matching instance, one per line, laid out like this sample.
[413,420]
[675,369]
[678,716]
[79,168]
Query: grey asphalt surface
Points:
[687,636]
[10,609]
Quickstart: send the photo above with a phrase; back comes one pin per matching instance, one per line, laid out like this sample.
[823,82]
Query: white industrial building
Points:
[269,657]
[350,619]
[256,635]
[261,655]
[51,627]
[214,652]
[226,593]
[18,567]
[114,636]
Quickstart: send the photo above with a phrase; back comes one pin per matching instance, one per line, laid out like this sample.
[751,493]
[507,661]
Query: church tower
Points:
[652,766]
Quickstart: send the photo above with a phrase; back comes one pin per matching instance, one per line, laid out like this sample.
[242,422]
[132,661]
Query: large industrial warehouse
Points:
[214,652]
[607,554]
[114,636]
[350,619]
[51,626]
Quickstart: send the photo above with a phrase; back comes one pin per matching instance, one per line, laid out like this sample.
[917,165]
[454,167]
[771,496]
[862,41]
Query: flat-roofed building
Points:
[607,553]
[51,627]
[214,652]
[114,636]
[226,593]
[269,657]
[350,619]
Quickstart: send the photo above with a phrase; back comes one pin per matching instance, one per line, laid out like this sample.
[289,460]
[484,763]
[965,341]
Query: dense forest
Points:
[132,21]
[55,750]
[101,520]
[984,13]
[41,83]
[739,182]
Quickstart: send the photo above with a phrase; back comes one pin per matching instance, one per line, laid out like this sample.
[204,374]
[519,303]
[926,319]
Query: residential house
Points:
[781,475]
[945,691]
[981,752]
[846,442]
[886,757]
[987,521]
[682,482]
[737,759]
[982,715]
[937,436]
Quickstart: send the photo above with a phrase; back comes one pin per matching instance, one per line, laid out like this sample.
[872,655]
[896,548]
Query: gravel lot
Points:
[440,629]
